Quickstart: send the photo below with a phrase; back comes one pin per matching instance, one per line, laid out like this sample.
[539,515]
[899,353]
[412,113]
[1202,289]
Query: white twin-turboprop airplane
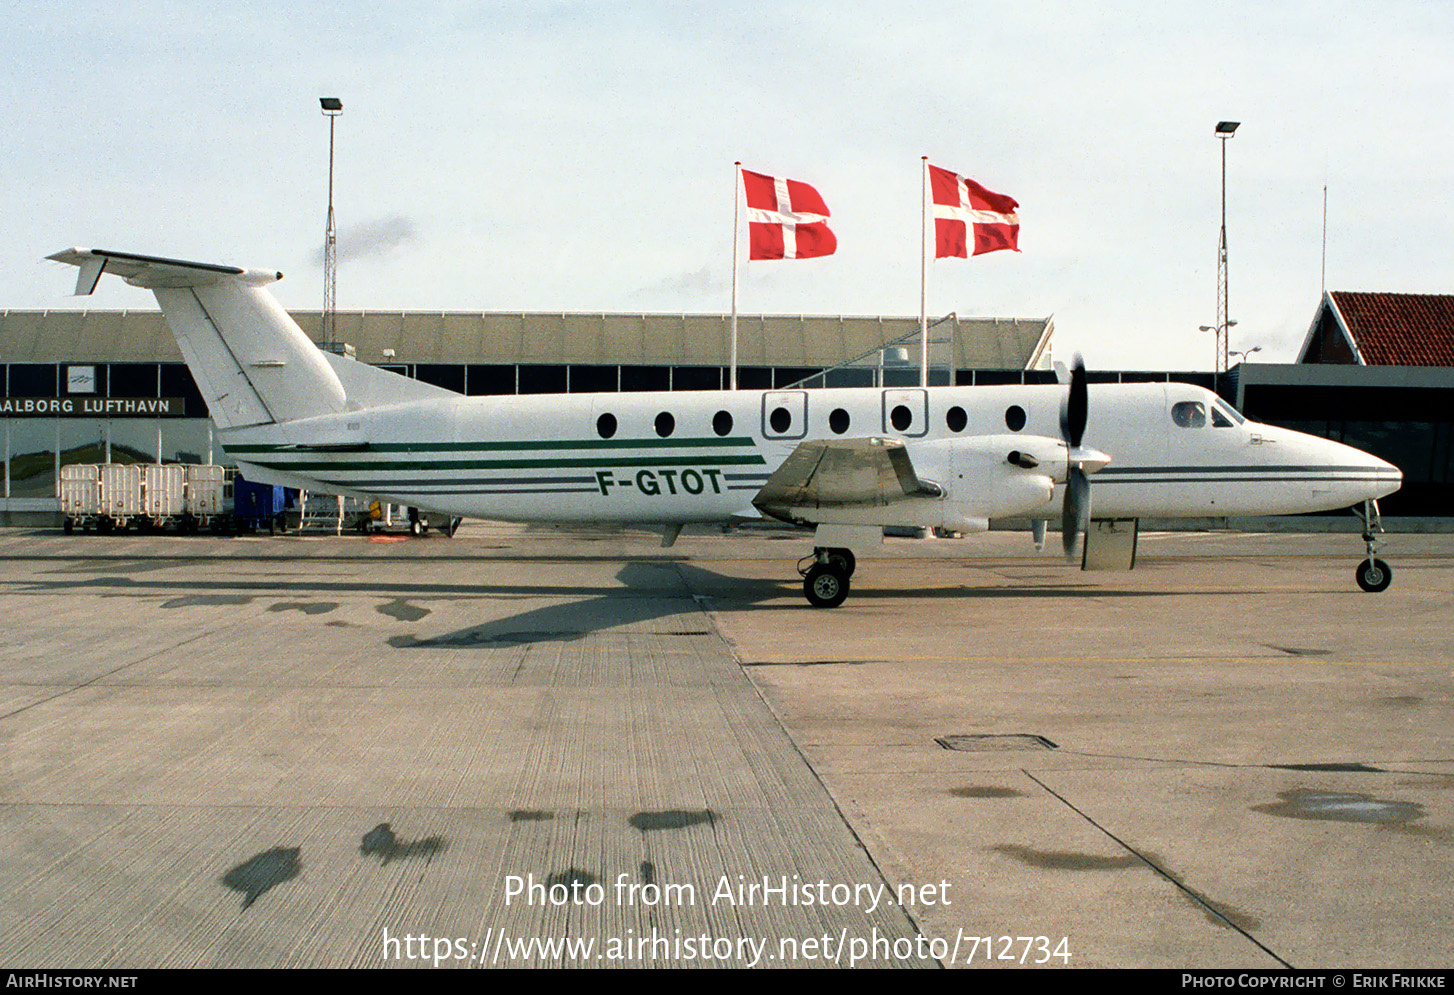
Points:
[846,462]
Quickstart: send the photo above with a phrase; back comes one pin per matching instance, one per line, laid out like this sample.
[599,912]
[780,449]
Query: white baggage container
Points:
[162,486]
[120,491]
[80,491]
[205,484]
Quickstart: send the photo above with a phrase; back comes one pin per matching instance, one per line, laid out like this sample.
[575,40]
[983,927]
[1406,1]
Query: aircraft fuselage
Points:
[701,456]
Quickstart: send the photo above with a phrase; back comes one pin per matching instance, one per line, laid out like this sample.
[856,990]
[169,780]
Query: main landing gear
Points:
[1373,574]
[825,576]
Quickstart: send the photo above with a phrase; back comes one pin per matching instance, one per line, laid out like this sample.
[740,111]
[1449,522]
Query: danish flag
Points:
[785,219]
[960,204]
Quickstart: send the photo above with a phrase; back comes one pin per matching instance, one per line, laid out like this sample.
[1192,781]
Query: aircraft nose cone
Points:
[1383,477]
[1395,475]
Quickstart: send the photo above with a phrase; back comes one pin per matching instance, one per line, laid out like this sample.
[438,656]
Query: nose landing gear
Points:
[1373,575]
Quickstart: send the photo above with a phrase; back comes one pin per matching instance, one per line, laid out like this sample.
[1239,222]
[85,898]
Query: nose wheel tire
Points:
[1374,575]
[825,585]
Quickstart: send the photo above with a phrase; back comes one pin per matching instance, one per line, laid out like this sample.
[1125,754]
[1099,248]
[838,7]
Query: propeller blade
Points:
[1075,514]
[1076,511]
[1073,410]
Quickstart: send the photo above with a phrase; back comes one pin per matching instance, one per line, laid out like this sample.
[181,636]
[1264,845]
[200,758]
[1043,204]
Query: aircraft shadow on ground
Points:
[650,593]
[642,592]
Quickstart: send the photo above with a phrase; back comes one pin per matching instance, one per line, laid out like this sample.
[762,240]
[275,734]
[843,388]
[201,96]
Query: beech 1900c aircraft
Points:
[846,462]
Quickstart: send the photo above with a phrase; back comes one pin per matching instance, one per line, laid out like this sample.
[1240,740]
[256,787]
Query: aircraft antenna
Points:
[1323,277]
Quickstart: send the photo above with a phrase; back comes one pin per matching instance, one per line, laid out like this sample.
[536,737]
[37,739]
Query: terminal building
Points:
[1376,371]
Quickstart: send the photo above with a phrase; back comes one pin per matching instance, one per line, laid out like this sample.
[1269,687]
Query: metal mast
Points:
[332,108]
[1225,130]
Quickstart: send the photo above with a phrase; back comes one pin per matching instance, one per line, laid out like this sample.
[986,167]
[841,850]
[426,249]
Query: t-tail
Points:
[252,363]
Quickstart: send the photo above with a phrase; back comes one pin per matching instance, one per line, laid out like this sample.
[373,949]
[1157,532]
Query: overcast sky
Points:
[577,156]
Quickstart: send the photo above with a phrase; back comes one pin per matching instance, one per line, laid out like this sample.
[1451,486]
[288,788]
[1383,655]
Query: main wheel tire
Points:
[68,526]
[825,585]
[1374,575]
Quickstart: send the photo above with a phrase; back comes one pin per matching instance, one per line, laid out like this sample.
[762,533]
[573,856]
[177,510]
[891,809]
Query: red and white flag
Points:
[785,219]
[961,204]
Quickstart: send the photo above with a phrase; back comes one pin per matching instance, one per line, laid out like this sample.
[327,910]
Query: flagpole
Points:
[736,240]
[924,276]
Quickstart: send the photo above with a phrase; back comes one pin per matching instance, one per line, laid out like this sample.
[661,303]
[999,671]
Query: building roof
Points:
[534,337]
[1382,329]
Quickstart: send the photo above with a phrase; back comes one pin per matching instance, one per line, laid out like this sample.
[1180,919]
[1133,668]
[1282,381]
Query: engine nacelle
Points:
[957,484]
[994,476]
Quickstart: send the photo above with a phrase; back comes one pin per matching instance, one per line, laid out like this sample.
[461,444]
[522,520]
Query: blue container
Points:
[255,505]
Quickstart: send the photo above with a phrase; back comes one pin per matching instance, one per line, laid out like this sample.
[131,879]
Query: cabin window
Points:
[1189,414]
[606,425]
[956,419]
[722,422]
[1220,419]
[1014,418]
[665,424]
[781,420]
[839,421]
[901,417]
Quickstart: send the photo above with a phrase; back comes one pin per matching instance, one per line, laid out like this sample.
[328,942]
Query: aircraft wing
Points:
[838,473]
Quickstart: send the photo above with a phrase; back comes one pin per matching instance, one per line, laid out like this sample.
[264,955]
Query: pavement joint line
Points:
[1262,766]
[1198,899]
[731,649]
[100,677]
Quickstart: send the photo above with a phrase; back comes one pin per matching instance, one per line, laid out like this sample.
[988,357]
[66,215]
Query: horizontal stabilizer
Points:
[154,271]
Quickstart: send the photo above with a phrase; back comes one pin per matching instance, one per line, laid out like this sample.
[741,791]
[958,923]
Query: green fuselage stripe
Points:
[527,445]
[588,463]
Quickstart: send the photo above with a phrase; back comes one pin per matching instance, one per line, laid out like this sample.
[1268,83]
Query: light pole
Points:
[1244,353]
[1221,328]
[1225,130]
[332,108]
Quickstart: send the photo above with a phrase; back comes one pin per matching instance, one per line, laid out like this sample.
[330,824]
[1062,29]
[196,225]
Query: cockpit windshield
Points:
[1231,414]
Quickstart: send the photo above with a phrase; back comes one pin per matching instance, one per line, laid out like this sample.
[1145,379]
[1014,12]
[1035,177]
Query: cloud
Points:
[697,283]
[372,238]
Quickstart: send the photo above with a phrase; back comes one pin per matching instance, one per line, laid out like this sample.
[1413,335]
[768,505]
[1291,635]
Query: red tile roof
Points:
[1400,329]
